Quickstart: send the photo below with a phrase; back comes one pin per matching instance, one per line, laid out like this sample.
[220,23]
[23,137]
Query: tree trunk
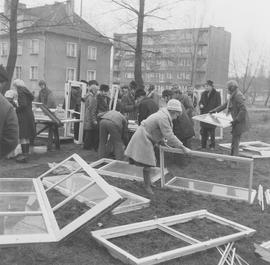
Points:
[12,57]
[138,51]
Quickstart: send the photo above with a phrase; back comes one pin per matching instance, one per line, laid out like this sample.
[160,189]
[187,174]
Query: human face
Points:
[208,88]
[175,114]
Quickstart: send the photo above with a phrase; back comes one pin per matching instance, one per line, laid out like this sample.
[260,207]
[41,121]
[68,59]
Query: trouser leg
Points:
[235,144]
[212,138]
[147,180]
[103,137]
[204,137]
[86,140]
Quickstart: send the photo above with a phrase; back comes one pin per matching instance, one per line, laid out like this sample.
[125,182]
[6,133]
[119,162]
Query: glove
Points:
[233,123]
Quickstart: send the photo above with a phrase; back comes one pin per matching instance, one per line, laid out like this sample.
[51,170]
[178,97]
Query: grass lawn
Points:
[81,249]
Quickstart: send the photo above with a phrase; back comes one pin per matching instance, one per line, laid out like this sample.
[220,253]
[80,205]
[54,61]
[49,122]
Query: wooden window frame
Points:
[104,171]
[248,161]
[103,236]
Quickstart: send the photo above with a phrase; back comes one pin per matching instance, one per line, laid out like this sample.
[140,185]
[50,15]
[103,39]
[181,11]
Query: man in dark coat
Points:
[103,100]
[128,107]
[146,105]
[45,95]
[9,128]
[236,106]
[210,99]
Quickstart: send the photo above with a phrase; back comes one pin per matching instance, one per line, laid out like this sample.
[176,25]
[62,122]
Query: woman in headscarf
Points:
[27,130]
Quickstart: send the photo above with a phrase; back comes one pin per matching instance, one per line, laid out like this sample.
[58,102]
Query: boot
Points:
[147,181]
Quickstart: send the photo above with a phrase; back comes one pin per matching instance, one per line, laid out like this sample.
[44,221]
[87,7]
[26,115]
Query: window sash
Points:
[91,74]
[34,46]
[71,73]
[71,49]
[33,73]
[92,53]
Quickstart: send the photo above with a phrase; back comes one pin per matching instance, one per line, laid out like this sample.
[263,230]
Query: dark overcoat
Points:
[9,129]
[27,129]
[208,102]
[146,107]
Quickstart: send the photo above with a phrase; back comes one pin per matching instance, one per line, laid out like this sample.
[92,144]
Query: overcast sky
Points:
[247,20]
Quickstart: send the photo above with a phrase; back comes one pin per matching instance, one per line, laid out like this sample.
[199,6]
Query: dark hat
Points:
[3,74]
[104,87]
[92,82]
[209,83]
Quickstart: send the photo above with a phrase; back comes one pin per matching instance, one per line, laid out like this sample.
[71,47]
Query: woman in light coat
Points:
[157,128]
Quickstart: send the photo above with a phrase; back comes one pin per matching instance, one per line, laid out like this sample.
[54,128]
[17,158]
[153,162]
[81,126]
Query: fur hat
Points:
[10,94]
[18,82]
[3,74]
[174,105]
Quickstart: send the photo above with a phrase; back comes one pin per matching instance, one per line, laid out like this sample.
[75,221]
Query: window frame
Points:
[88,75]
[34,51]
[69,50]
[90,54]
[67,75]
[31,73]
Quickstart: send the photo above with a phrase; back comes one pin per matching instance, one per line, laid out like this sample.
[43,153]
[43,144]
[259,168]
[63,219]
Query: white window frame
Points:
[3,48]
[20,47]
[91,74]
[92,53]
[18,72]
[164,224]
[71,49]
[68,75]
[105,170]
[33,72]
[53,232]
[251,193]
[34,46]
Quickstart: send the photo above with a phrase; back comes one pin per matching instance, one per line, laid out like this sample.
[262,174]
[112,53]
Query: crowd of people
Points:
[162,120]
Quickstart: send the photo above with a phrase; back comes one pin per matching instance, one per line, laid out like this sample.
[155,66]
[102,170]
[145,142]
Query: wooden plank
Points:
[267,196]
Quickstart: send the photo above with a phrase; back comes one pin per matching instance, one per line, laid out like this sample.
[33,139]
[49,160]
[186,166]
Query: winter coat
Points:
[238,111]
[208,102]
[128,107]
[147,106]
[46,97]
[183,126]
[102,103]
[27,128]
[187,103]
[120,121]
[90,117]
[155,96]
[153,130]
[9,127]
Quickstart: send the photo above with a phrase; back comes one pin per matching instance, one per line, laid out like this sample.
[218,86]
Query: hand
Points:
[186,150]
[233,123]
[201,106]
[212,111]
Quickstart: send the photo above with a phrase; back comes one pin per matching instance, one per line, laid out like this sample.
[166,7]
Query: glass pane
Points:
[19,225]
[17,203]
[127,169]
[213,188]
[16,185]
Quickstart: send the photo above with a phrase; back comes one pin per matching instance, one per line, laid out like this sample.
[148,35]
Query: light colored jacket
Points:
[153,130]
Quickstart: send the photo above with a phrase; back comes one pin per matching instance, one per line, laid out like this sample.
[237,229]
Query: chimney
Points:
[70,9]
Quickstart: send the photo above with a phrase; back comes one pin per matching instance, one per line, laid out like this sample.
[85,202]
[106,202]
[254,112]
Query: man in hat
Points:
[236,107]
[9,128]
[210,99]
[153,131]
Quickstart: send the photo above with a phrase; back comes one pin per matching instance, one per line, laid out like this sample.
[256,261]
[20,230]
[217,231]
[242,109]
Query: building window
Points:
[3,48]
[92,53]
[19,47]
[33,73]
[71,74]
[71,49]
[91,75]
[129,75]
[18,72]
[34,46]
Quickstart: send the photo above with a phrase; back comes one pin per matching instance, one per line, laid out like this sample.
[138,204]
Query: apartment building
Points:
[55,44]
[183,56]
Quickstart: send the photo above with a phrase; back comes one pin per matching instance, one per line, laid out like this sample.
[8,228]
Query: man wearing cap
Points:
[236,107]
[9,128]
[210,99]
[154,130]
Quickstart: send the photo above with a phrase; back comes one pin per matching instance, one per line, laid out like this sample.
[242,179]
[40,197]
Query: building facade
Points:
[184,57]
[57,46]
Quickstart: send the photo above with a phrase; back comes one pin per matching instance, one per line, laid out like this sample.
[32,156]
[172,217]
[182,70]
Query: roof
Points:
[54,18]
